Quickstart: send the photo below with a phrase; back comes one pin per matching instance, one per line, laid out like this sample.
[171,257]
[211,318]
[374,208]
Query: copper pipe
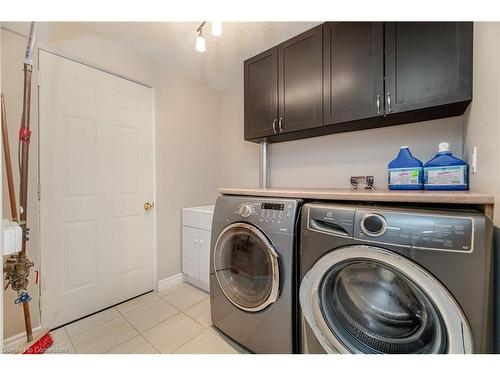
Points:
[25,125]
[27,321]
[24,138]
[23,195]
[8,164]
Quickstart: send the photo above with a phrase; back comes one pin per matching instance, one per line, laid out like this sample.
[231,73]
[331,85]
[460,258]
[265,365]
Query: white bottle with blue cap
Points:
[445,171]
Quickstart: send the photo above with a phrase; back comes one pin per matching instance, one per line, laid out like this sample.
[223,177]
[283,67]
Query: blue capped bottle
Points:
[445,171]
[406,172]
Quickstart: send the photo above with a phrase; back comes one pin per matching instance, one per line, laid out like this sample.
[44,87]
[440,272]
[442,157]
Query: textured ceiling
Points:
[172,45]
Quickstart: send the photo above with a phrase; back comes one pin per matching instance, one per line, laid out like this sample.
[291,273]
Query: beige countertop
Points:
[377,195]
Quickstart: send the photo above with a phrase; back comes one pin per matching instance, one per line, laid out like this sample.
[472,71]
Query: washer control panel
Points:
[419,231]
[423,229]
[373,225]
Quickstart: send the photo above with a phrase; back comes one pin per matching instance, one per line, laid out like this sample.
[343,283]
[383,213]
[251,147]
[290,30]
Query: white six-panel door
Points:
[96,173]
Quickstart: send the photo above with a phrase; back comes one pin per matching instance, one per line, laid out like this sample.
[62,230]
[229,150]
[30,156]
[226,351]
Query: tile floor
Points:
[176,320]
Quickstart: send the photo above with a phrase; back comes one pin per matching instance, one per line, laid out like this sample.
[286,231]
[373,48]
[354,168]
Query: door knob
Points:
[148,206]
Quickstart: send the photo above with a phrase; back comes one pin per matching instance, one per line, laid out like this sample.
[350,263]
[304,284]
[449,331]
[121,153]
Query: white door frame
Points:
[93,66]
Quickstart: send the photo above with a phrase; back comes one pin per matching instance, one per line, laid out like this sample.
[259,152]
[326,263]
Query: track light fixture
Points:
[216,28]
[200,40]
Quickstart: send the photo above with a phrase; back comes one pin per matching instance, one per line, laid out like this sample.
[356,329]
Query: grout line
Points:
[109,308]
[137,307]
[174,291]
[133,327]
[120,314]
[150,343]
[127,322]
[97,325]
[203,328]
[170,317]
[141,334]
[145,338]
[141,306]
[70,341]
[177,312]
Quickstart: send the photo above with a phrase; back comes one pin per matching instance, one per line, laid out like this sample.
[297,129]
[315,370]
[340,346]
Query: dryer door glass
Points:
[246,267]
[374,308]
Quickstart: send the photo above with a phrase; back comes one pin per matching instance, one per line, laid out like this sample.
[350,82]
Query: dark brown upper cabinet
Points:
[427,64]
[345,76]
[261,94]
[353,71]
[300,82]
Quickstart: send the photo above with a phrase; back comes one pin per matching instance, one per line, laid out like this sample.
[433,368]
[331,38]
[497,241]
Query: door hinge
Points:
[39,78]
[39,192]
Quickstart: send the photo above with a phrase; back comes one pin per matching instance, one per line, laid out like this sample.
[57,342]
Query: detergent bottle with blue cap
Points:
[406,172]
[445,171]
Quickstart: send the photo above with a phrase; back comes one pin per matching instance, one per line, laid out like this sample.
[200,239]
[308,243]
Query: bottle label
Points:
[404,176]
[446,176]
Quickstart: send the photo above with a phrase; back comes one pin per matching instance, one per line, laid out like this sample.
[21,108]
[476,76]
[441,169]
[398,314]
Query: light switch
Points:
[473,163]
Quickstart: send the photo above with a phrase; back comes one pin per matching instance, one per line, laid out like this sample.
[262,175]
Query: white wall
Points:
[187,121]
[482,120]
[327,161]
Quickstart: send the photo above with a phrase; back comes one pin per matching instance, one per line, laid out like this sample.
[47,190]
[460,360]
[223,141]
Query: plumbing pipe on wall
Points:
[264,165]
[17,266]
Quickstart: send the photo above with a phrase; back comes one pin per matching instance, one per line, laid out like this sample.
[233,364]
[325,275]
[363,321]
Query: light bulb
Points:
[200,43]
[216,28]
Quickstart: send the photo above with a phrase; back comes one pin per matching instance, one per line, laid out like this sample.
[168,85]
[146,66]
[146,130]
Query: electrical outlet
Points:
[473,163]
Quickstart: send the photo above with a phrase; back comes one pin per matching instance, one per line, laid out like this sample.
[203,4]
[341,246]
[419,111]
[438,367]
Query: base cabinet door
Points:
[427,64]
[190,251]
[261,94]
[300,82]
[204,236]
[353,71]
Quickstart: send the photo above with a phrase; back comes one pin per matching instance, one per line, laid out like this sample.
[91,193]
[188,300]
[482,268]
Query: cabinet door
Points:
[427,64]
[191,252]
[205,256]
[353,71]
[261,94]
[301,82]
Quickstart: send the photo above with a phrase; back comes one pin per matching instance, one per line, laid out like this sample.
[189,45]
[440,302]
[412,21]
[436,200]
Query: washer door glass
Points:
[246,267]
[372,307]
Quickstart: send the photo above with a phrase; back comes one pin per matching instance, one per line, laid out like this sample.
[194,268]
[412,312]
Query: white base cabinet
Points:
[196,235]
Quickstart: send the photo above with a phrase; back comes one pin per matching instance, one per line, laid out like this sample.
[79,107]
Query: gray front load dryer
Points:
[253,272]
[382,279]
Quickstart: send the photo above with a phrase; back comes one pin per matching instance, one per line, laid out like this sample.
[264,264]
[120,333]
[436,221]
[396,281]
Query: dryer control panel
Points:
[269,214]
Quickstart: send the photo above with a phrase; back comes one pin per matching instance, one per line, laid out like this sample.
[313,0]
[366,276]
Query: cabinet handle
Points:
[196,242]
[378,104]
[274,126]
[280,124]
[202,242]
[389,101]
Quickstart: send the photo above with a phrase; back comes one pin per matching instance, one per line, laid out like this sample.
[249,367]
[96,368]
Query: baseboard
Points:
[197,283]
[20,338]
[170,282]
